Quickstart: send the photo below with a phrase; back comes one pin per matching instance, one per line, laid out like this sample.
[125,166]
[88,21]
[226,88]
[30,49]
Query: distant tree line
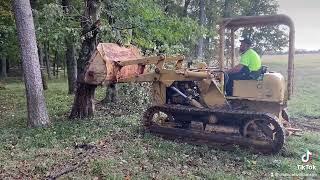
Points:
[298,51]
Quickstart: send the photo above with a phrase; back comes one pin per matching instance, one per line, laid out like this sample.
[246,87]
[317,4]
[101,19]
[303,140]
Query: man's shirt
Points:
[251,59]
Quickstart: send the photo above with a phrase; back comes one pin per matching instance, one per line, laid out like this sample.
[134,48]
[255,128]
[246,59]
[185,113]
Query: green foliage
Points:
[51,26]
[6,15]
[55,27]
[151,27]
[156,26]
[8,38]
[264,39]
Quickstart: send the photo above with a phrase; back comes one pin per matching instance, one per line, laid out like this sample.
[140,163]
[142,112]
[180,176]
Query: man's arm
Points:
[235,69]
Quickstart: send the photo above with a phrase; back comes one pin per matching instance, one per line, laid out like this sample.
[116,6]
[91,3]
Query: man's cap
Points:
[247,41]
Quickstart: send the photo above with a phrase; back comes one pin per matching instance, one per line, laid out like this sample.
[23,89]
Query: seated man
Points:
[250,64]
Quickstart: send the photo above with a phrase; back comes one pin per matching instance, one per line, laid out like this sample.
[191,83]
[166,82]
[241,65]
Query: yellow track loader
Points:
[190,103]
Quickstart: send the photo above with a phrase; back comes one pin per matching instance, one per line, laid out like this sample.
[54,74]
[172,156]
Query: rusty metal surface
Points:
[221,53]
[113,52]
[271,88]
[245,21]
[211,94]
[209,138]
[104,63]
[112,63]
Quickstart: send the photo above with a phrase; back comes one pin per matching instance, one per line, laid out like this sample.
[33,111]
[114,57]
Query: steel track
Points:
[203,137]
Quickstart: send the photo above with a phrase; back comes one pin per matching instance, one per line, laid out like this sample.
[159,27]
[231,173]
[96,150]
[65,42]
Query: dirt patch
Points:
[306,125]
[82,155]
[117,109]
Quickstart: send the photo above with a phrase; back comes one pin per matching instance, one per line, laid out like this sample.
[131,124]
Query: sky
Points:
[306,16]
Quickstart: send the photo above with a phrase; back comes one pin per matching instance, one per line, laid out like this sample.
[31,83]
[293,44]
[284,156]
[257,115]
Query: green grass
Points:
[123,150]
[305,101]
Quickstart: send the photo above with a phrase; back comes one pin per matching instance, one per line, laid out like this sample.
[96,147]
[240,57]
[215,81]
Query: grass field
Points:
[305,102]
[122,152]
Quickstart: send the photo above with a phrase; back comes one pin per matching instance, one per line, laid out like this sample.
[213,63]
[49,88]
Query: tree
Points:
[8,39]
[47,59]
[264,38]
[226,8]
[70,54]
[202,20]
[111,94]
[34,6]
[43,77]
[83,105]
[185,7]
[159,27]
[37,111]
[52,27]
[58,30]
[71,67]
[3,70]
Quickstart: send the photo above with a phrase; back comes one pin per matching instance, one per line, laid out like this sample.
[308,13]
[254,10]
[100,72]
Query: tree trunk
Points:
[44,80]
[227,13]
[47,59]
[57,71]
[34,4]
[206,45]
[0,67]
[70,54]
[57,63]
[185,9]
[64,69]
[54,69]
[83,106]
[202,22]
[3,67]
[37,110]
[111,91]
[111,94]
[226,9]
[43,77]
[7,65]
[71,68]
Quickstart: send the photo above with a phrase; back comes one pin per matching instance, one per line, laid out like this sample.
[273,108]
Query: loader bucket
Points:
[103,67]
